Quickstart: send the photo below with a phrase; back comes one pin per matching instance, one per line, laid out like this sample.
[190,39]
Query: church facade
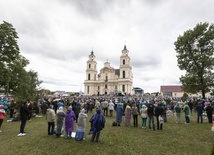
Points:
[109,80]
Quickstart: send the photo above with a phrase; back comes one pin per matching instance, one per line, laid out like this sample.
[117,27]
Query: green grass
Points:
[174,139]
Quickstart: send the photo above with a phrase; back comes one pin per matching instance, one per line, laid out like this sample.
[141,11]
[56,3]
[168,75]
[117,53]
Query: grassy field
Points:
[174,139]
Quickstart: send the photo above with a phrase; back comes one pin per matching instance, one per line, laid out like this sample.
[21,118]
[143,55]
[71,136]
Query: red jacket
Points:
[2,112]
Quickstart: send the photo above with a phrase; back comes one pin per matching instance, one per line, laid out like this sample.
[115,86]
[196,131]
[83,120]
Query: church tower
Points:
[91,74]
[125,81]
[109,80]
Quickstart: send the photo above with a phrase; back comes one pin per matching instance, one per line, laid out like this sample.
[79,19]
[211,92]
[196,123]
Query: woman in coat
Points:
[119,115]
[187,113]
[97,124]
[128,112]
[143,113]
[60,121]
[69,122]
[81,124]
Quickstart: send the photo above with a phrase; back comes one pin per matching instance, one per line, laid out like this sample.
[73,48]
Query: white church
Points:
[109,80]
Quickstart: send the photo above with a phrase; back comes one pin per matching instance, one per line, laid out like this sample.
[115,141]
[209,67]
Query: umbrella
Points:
[65,95]
[57,99]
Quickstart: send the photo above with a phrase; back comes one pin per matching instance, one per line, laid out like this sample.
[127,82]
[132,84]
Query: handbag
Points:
[160,118]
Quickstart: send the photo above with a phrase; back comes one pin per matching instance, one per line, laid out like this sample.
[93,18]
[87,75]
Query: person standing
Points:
[177,110]
[143,113]
[187,113]
[69,122]
[150,113]
[76,109]
[128,113]
[81,124]
[199,109]
[104,105]
[209,111]
[135,115]
[24,115]
[119,114]
[60,121]
[50,117]
[2,115]
[97,124]
[159,113]
[111,108]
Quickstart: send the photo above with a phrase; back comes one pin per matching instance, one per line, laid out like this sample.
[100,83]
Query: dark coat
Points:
[24,113]
[97,122]
[209,110]
[199,109]
[150,110]
[159,111]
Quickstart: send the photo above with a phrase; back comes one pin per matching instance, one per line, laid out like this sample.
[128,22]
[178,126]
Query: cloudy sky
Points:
[57,36]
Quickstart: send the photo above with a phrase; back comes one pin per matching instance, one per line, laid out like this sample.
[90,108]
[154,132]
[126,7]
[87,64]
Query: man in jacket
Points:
[24,115]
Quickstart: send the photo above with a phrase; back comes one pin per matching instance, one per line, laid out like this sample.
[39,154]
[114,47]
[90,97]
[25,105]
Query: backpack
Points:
[114,123]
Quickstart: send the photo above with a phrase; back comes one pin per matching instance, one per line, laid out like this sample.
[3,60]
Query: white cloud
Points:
[58,35]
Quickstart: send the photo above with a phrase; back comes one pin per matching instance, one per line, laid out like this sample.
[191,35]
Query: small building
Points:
[171,91]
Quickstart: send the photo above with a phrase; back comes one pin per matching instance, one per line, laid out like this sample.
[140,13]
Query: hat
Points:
[70,108]
[1,106]
[83,111]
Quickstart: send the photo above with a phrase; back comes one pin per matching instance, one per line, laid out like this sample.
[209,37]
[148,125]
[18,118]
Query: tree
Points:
[14,78]
[195,50]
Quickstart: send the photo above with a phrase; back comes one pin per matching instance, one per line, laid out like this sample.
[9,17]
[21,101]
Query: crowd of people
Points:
[62,113]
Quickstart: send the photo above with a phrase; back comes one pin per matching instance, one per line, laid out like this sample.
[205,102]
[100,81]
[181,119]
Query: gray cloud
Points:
[57,36]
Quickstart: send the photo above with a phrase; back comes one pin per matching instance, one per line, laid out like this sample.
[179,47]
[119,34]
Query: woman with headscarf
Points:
[119,114]
[143,113]
[187,113]
[97,124]
[69,122]
[177,111]
[81,124]
[60,121]
[128,112]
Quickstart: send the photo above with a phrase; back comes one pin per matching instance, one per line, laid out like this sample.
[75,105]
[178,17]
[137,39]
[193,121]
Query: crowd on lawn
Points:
[62,113]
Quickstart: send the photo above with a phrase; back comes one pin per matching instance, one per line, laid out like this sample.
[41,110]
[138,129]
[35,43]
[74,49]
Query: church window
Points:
[89,66]
[124,74]
[106,78]
[124,62]
[106,86]
[123,89]
[89,76]
[88,90]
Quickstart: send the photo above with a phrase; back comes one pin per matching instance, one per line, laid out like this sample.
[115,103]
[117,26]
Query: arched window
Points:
[124,62]
[124,74]
[106,78]
[89,66]
[89,76]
